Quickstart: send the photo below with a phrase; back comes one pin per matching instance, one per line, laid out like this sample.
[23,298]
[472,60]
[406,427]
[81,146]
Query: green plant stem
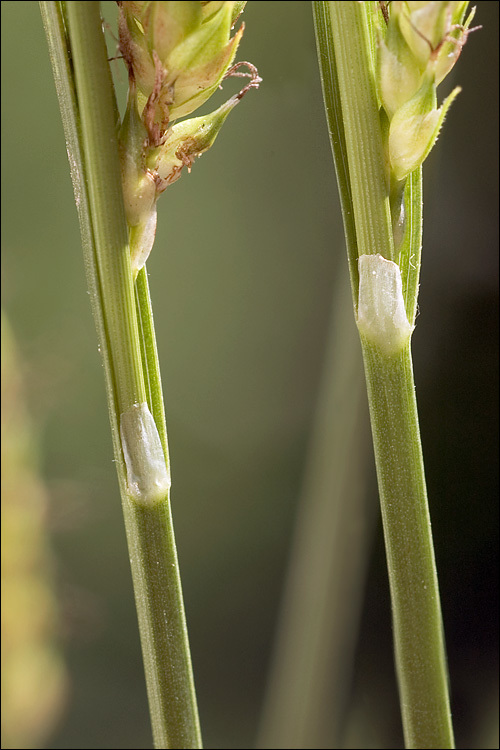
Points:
[89,116]
[312,663]
[361,122]
[344,37]
[99,146]
[418,635]
[150,361]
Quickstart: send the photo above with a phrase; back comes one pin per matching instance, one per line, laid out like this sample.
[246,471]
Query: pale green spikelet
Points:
[416,48]
[177,54]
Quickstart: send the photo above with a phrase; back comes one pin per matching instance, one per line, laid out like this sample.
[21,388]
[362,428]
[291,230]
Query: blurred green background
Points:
[242,273]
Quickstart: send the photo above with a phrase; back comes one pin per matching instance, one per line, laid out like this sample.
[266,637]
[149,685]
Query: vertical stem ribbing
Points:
[89,116]
[363,136]
[416,609]
[100,149]
[345,55]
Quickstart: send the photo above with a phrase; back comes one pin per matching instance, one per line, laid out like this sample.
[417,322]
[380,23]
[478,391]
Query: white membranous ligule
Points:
[148,476]
[381,309]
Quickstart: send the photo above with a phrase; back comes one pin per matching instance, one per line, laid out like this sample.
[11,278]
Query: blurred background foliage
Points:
[242,273]
[33,674]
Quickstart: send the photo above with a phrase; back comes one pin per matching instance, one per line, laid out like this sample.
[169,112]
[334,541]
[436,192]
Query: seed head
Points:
[418,43]
[177,55]
[416,49]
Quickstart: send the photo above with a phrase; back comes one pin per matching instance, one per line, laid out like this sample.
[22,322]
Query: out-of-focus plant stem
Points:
[312,663]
